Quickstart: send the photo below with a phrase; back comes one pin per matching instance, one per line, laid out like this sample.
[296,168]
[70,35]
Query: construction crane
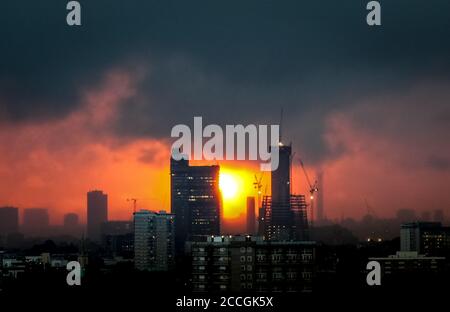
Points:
[258,185]
[134,200]
[312,189]
[368,207]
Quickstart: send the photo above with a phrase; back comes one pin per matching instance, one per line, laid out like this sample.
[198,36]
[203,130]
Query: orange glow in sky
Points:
[228,185]
[54,163]
[235,184]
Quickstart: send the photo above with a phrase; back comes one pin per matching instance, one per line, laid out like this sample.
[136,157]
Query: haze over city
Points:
[374,121]
[219,155]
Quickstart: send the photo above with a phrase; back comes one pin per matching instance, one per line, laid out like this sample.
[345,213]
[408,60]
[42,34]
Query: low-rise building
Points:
[404,262]
[251,264]
[428,238]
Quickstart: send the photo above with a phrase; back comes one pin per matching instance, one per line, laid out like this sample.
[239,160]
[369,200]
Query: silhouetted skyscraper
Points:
[251,218]
[281,178]
[277,207]
[195,200]
[36,221]
[284,214]
[9,221]
[97,213]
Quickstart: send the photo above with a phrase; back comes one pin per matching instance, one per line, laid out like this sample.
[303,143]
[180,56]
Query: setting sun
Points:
[228,186]
[235,185]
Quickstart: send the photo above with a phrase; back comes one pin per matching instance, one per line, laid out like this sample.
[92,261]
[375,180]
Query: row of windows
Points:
[259,258]
[248,249]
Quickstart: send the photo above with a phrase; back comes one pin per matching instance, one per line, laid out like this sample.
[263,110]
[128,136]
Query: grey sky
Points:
[229,61]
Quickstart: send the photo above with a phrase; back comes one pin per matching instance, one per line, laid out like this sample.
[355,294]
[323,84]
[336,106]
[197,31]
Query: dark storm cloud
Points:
[438,162]
[229,61]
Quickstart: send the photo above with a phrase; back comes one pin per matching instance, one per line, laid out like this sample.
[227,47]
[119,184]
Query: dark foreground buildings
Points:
[195,201]
[410,272]
[251,216]
[251,264]
[428,238]
[154,248]
[410,262]
[118,238]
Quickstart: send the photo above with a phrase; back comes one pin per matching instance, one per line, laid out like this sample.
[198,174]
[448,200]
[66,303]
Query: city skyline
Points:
[223,155]
[235,205]
[374,122]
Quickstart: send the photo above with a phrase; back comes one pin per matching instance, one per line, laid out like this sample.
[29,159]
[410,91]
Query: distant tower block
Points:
[97,213]
[71,220]
[9,221]
[320,209]
[251,217]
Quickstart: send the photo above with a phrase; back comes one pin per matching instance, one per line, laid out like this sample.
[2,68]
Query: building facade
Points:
[286,222]
[251,264]
[154,245]
[284,214]
[409,268]
[428,238]
[118,238]
[195,200]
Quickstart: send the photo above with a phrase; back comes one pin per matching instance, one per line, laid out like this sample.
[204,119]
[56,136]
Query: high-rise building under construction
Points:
[284,213]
